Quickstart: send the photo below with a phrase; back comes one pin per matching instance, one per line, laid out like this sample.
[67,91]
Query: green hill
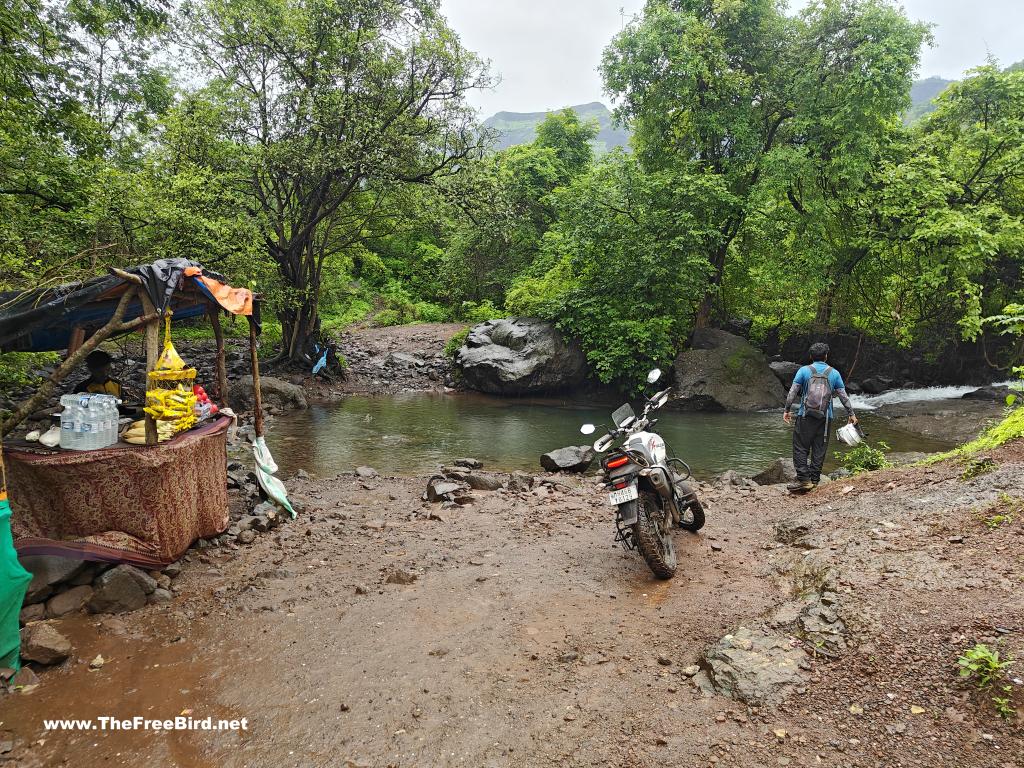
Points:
[922,92]
[513,128]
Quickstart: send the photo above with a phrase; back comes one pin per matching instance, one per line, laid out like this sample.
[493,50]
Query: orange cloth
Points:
[237,301]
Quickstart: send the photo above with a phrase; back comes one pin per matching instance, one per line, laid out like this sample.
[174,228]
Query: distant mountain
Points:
[520,127]
[922,92]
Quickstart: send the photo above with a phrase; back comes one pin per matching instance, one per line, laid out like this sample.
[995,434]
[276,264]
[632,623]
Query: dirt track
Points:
[527,639]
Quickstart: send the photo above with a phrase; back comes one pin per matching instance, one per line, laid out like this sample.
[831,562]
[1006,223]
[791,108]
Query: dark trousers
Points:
[810,444]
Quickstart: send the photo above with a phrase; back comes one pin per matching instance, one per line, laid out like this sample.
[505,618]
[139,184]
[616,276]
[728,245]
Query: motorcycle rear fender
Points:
[628,512]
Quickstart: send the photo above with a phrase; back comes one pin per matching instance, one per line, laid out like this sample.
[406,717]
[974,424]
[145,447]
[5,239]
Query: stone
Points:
[723,372]
[404,360]
[440,489]
[43,644]
[173,570]
[754,667]
[994,393]
[876,385]
[47,572]
[779,471]
[159,596]
[34,612]
[275,392]
[520,355]
[520,482]
[483,482]
[69,601]
[118,591]
[247,536]
[731,477]
[401,576]
[145,581]
[367,472]
[786,372]
[574,458]
[468,463]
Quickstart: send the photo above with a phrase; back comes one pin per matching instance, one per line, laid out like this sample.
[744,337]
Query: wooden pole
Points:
[257,397]
[222,367]
[77,339]
[152,352]
[114,325]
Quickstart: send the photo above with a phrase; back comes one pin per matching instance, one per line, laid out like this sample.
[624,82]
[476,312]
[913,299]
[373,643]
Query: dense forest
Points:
[324,152]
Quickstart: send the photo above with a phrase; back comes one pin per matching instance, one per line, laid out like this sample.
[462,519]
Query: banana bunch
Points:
[136,433]
[174,407]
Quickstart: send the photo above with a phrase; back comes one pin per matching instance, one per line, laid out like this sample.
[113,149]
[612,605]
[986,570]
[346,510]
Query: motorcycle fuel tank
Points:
[651,445]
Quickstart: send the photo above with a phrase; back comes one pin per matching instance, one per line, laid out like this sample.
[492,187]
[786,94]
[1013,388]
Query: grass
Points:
[977,467]
[1010,428]
[1004,511]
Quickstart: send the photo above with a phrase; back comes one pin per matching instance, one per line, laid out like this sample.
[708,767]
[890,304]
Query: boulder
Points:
[520,355]
[785,372]
[780,471]
[70,601]
[998,394]
[520,482]
[468,463]
[43,644]
[474,481]
[723,372]
[276,392]
[876,385]
[118,590]
[34,612]
[47,572]
[574,458]
[366,472]
[754,667]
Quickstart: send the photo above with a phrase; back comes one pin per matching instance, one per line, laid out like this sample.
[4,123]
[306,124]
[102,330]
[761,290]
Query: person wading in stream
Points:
[815,385]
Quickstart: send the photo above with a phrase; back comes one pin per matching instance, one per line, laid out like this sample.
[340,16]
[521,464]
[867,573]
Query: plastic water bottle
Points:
[68,418]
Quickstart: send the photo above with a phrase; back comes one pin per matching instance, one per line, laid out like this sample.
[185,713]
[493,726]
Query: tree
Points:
[337,102]
[764,101]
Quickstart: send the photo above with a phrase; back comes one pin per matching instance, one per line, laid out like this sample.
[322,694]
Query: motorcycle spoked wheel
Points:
[652,533]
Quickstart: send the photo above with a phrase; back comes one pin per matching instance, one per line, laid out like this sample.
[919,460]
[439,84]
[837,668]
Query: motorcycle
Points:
[647,487]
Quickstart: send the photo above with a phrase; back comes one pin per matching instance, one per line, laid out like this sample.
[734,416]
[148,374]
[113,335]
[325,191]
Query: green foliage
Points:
[455,343]
[18,369]
[864,458]
[1004,511]
[983,665]
[478,312]
[977,467]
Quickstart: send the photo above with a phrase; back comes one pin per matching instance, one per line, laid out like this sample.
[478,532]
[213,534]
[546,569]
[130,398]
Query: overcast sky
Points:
[547,51]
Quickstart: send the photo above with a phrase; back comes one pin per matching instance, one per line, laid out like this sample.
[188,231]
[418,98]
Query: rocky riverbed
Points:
[503,628]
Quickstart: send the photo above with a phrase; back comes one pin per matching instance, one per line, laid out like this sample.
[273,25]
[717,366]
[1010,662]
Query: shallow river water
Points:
[413,433]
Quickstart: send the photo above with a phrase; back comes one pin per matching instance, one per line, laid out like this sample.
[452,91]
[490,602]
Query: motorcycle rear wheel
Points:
[652,533]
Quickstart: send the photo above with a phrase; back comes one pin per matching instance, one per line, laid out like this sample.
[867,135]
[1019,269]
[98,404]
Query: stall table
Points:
[142,505]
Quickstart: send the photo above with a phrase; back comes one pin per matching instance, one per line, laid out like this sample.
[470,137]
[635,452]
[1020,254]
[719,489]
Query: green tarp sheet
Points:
[13,582]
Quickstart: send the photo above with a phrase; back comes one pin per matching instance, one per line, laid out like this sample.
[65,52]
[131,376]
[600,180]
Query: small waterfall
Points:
[872,402]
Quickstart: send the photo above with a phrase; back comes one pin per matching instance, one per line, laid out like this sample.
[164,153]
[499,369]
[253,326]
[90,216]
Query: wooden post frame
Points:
[257,396]
[114,325]
[222,366]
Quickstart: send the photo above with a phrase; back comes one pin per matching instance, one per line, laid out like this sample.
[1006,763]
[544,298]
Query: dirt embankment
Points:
[381,630]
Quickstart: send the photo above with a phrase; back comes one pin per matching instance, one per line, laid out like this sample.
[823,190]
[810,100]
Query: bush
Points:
[427,312]
[18,369]
[472,312]
[989,672]
[388,317]
[455,342]
[864,458]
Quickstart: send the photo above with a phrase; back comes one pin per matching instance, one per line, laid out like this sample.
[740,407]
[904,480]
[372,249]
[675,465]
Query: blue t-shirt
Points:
[803,378]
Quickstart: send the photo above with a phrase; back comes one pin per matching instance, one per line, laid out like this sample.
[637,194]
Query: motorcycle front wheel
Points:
[692,516]
[652,533]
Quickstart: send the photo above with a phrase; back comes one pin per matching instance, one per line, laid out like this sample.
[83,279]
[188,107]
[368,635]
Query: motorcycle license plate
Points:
[628,493]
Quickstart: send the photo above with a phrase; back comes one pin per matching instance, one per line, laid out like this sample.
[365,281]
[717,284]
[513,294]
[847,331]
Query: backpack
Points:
[818,399]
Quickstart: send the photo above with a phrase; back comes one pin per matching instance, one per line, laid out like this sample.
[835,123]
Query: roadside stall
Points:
[141,493]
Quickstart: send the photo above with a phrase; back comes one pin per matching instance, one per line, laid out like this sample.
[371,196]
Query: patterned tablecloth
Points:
[143,505]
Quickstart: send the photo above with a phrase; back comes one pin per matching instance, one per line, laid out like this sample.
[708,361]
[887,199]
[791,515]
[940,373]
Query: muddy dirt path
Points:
[526,639]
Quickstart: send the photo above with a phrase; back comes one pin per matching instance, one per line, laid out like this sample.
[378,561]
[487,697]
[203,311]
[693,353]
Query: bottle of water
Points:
[68,418]
[86,437]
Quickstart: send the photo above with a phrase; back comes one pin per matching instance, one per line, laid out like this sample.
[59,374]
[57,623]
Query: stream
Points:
[412,433]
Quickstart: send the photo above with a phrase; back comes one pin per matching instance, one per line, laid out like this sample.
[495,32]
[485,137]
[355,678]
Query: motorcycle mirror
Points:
[654,375]
[588,429]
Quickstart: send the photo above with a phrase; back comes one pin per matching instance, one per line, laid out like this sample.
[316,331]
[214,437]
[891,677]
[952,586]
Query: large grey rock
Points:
[47,572]
[520,355]
[754,667]
[43,644]
[780,471]
[996,393]
[785,372]
[574,458]
[876,385]
[275,392]
[118,591]
[442,489]
[723,372]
